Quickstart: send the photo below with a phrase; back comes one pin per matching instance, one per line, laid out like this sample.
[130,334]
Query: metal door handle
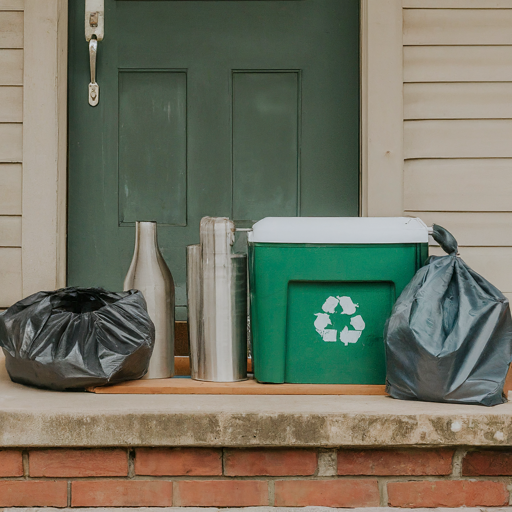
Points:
[94,88]
[94,32]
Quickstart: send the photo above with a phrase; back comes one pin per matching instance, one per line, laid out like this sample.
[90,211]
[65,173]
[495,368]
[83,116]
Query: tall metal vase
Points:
[149,273]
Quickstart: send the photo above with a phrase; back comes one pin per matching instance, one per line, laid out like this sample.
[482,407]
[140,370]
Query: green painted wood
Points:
[152,173]
[265,145]
[242,109]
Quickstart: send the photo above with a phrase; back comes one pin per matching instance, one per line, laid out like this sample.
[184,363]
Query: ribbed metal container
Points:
[217,305]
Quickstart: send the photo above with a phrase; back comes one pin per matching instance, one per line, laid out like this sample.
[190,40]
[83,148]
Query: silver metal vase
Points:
[150,274]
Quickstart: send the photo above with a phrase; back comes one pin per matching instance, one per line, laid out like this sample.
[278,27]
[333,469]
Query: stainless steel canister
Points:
[217,308]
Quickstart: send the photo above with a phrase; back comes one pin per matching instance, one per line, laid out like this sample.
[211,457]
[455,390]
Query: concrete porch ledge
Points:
[36,418]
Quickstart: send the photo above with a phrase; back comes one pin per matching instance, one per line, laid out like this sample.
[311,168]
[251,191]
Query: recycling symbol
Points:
[346,335]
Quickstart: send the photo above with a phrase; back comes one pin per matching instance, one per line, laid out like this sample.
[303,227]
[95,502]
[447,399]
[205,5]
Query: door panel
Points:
[265,138]
[153,137]
[229,108]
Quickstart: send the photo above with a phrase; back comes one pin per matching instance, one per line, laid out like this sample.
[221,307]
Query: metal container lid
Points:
[339,230]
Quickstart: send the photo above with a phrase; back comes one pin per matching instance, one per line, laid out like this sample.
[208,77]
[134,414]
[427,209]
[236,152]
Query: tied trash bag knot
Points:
[74,338]
[449,337]
[445,239]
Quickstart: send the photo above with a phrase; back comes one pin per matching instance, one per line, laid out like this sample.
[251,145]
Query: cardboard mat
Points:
[182,384]
[187,386]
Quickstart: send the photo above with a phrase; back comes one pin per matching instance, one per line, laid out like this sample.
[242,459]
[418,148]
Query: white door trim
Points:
[45,129]
[381,108]
[44,145]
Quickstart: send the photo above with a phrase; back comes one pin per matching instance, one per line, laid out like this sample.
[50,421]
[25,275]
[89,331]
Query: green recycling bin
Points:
[321,292]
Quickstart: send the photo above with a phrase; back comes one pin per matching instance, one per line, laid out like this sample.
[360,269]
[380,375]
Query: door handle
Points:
[94,32]
[94,88]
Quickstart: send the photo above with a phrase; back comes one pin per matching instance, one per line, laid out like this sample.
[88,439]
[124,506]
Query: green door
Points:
[237,108]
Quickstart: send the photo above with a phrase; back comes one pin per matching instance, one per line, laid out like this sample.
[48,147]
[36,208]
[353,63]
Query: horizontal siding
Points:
[458,100]
[457,27]
[457,63]
[10,276]
[11,142]
[12,5]
[11,29]
[458,126]
[10,231]
[473,229]
[11,66]
[481,138]
[458,185]
[493,263]
[10,191]
[459,4]
[11,104]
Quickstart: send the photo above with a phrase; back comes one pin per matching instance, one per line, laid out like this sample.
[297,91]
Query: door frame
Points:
[44,229]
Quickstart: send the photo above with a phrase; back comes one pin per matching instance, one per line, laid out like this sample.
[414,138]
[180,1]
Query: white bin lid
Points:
[339,230]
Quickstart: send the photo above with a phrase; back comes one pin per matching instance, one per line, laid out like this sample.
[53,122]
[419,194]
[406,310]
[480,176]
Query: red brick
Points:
[178,461]
[222,493]
[270,462]
[11,463]
[448,493]
[327,493]
[78,463]
[395,462]
[23,493]
[121,493]
[489,463]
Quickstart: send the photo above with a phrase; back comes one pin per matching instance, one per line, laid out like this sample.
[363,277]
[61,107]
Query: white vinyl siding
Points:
[11,149]
[459,4]
[458,126]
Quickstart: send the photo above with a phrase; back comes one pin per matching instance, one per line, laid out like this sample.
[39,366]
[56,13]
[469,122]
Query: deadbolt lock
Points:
[93,19]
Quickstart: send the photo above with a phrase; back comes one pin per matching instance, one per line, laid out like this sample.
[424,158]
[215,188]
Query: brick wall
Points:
[161,477]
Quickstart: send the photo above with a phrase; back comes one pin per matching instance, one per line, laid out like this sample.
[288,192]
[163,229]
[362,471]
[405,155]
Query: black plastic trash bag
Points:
[449,338]
[77,337]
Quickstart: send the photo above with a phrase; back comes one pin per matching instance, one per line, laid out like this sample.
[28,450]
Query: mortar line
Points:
[25,464]
[178,478]
[383,492]
[271,492]
[69,493]
[175,494]
[457,459]
[131,462]
[317,470]
[329,455]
